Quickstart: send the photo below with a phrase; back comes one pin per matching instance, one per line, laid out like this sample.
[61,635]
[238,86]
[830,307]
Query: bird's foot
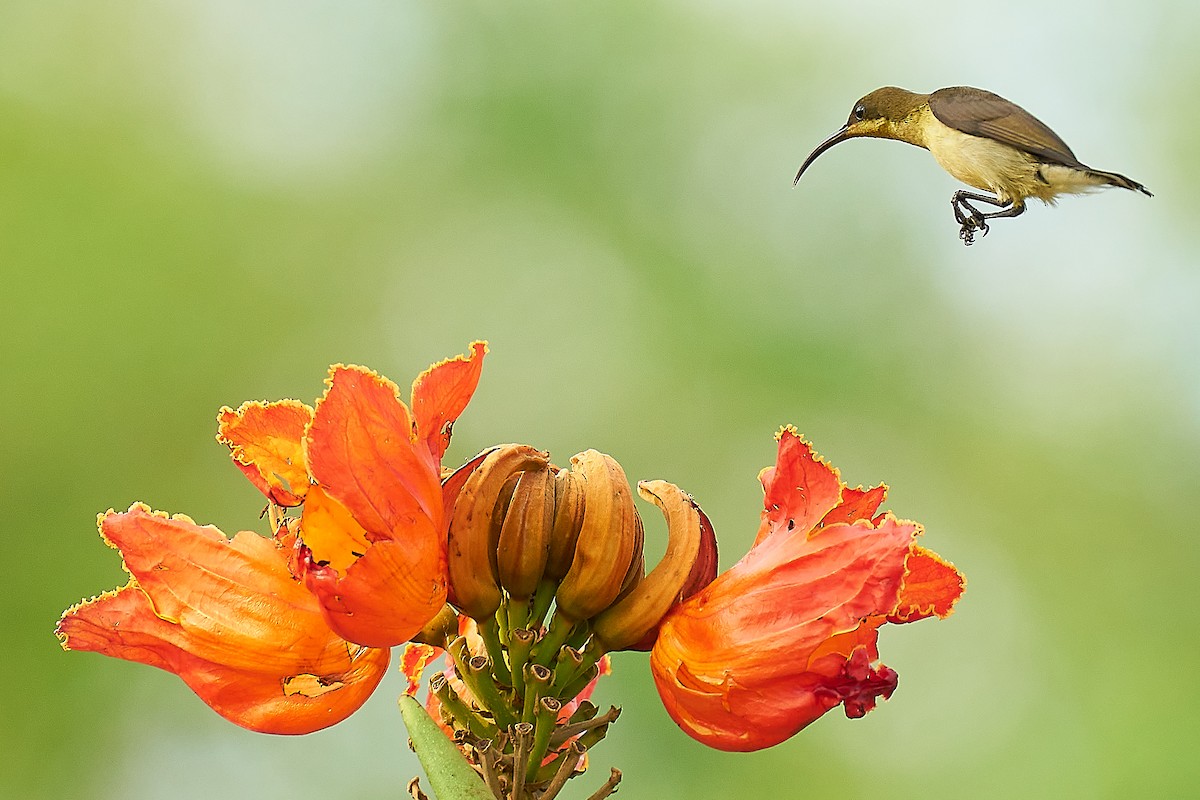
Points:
[973,223]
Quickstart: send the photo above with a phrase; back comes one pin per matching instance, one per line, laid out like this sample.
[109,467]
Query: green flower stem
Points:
[520,643]
[537,685]
[546,719]
[580,682]
[479,680]
[461,712]
[450,776]
[547,649]
[518,613]
[490,630]
[580,636]
[566,667]
[479,677]
[576,727]
[542,598]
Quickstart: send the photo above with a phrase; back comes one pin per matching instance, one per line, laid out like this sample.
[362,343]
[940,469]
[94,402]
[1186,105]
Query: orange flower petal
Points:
[856,504]
[388,595]
[332,536]
[440,393]
[931,587]
[267,444]
[360,448]
[226,616]
[800,489]
[413,660]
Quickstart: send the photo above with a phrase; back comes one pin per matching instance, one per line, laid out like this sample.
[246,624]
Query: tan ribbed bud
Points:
[568,519]
[607,543]
[475,528]
[525,533]
[628,620]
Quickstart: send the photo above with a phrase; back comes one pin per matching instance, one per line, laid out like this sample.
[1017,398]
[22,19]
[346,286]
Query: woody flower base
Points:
[520,574]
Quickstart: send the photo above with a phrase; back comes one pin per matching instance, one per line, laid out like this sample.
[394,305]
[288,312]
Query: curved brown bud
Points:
[525,533]
[475,528]
[607,542]
[568,519]
[628,620]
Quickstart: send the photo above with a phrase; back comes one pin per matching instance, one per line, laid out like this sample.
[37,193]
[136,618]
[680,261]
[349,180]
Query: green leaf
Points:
[450,776]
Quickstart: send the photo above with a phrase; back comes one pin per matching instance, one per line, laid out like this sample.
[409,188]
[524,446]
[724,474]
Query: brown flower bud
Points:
[608,539]
[568,519]
[475,528]
[525,533]
[628,620]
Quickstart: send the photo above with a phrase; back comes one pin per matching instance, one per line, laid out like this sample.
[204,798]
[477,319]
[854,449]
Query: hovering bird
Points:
[982,140]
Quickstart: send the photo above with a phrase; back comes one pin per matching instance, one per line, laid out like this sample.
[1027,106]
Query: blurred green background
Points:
[204,203]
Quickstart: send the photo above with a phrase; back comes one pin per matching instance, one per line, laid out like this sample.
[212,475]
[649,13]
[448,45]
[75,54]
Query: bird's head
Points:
[880,114]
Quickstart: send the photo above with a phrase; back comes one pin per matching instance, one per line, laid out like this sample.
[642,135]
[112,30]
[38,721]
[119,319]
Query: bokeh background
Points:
[207,202]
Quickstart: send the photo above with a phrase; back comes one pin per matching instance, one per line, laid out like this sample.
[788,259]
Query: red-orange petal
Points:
[799,490]
[266,440]
[360,447]
[765,649]
[227,616]
[386,596]
[414,657]
[441,393]
[362,452]
[856,504]
[931,587]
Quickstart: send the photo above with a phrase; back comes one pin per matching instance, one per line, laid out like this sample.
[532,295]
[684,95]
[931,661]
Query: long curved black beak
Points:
[842,135]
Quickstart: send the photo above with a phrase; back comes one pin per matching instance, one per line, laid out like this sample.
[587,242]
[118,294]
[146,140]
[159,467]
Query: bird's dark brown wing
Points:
[981,113]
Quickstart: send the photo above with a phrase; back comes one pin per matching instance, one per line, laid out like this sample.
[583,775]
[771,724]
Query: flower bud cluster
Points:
[548,562]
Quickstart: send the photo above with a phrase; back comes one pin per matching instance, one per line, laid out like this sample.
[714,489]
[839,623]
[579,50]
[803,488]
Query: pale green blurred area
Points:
[205,203]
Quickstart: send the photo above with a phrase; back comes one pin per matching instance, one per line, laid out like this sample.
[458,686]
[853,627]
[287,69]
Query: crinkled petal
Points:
[226,616]
[414,657]
[931,587]
[440,393]
[267,444]
[800,489]
[361,451]
[856,504]
[360,447]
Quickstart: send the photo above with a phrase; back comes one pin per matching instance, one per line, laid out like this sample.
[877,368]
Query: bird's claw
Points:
[975,222]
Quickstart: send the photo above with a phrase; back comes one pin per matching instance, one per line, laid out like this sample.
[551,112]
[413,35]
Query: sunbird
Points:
[982,140]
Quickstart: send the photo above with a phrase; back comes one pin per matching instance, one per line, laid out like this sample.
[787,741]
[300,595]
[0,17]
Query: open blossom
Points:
[790,631]
[290,635]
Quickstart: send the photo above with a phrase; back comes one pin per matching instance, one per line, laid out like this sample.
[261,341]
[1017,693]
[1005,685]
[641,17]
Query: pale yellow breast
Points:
[985,164]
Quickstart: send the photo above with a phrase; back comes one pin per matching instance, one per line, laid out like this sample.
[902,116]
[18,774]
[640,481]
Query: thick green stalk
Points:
[450,776]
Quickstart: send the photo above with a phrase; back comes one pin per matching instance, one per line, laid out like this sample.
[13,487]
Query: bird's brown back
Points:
[982,113]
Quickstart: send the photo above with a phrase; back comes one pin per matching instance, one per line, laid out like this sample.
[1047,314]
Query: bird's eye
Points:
[860,111]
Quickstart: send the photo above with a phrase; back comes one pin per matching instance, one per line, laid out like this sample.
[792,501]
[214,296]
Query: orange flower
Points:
[790,631]
[227,617]
[290,635]
[367,468]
